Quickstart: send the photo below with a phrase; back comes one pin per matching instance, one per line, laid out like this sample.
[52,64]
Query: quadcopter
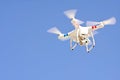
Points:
[83,36]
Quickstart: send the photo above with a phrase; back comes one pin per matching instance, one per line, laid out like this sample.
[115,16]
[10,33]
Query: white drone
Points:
[81,35]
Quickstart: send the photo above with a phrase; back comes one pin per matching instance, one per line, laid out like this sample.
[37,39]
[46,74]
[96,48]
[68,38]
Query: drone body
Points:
[81,35]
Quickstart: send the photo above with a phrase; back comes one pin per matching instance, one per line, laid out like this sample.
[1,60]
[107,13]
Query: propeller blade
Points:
[110,21]
[54,30]
[79,21]
[91,23]
[70,13]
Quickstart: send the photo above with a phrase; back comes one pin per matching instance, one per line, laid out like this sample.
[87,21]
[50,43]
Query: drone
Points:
[83,36]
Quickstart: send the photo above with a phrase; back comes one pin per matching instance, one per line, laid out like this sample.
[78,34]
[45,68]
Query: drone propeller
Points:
[109,21]
[54,30]
[78,21]
[71,15]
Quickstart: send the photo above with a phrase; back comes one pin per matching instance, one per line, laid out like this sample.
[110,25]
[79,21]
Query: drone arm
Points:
[74,23]
[63,37]
[99,26]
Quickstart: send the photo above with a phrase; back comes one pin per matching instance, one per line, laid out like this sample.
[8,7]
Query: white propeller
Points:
[71,15]
[54,30]
[109,21]
[78,21]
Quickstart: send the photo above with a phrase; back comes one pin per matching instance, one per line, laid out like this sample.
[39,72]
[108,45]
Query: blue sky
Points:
[28,52]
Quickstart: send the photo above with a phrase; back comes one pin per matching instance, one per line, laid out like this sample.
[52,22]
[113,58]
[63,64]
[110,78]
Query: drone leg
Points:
[93,44]
[87,48]
[91,48]
[72,47]
[93,39]
[77,34]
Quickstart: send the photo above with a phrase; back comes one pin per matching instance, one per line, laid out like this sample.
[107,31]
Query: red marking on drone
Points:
[93,27]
